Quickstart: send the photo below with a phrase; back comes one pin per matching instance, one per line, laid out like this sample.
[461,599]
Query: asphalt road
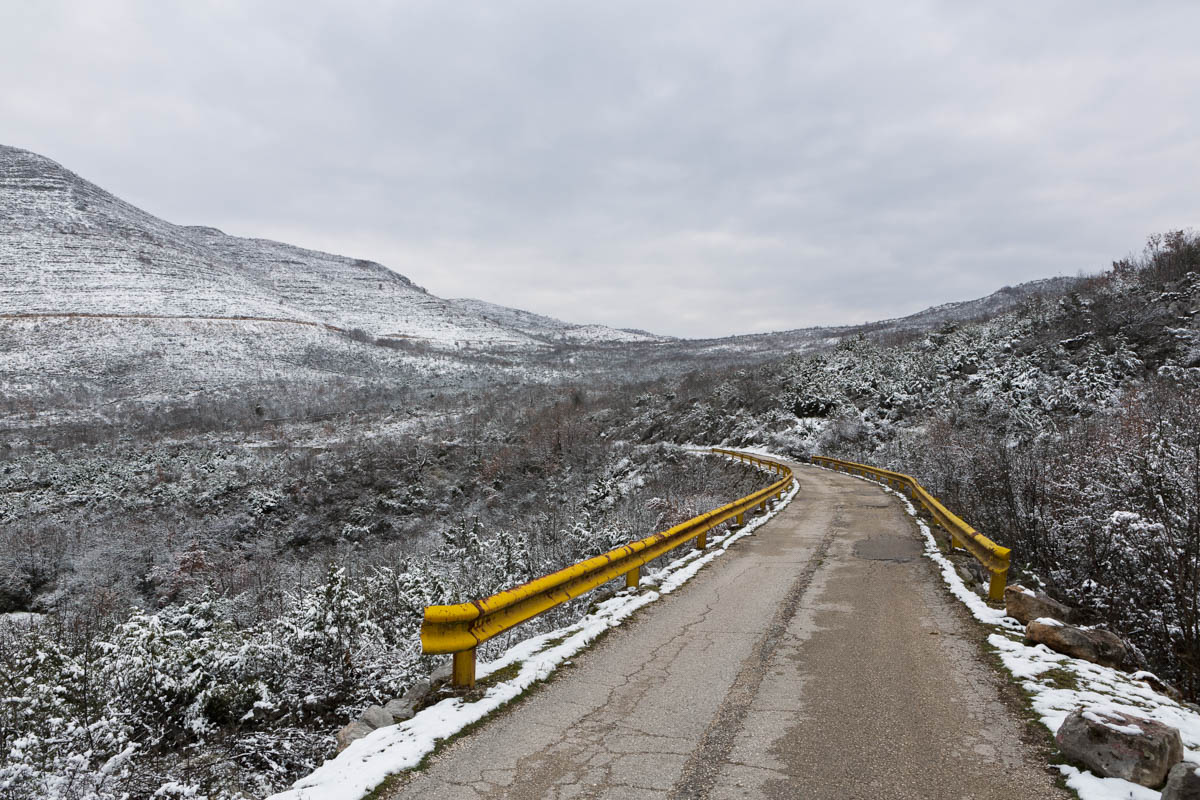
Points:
[819,658]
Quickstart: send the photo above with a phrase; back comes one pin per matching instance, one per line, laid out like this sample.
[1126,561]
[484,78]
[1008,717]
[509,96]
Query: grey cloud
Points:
[690,168]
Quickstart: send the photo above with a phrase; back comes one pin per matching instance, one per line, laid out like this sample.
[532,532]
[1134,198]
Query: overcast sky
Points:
[691,168]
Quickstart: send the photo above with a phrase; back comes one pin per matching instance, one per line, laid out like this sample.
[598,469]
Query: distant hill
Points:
[995,303]
[555,330]
[777,344]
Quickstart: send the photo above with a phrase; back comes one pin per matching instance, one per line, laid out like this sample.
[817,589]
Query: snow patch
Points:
[1090,787]
[1108,721]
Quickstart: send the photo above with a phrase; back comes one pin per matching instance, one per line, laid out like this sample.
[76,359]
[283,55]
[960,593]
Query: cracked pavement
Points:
[820,657]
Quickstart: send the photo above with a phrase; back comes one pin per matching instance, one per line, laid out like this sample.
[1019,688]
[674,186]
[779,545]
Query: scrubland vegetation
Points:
[1068,430]
[277,577]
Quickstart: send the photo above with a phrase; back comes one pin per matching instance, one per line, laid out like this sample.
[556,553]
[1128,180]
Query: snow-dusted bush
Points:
[222,688]
[1067,429]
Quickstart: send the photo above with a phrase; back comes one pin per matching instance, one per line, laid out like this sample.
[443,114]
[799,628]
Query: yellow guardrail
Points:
[986,552]
[460,628]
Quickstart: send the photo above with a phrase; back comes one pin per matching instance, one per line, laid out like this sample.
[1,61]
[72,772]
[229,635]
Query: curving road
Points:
[819,658]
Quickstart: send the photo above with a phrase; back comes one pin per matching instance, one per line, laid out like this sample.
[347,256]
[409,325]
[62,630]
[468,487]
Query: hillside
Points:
[111,317]
[554,330]
[997,302]
[67,247]
[108,314]
[789,342]
[70,249]
[1067,428]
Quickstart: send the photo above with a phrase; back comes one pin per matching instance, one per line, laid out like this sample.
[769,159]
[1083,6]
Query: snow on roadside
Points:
[1057,684]
[368,761]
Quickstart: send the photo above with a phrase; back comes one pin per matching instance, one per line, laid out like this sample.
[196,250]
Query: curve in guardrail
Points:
[459,629]
[986,552]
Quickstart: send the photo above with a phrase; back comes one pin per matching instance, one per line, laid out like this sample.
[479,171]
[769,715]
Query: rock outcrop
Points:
[1158,684]
[391,713]
[374,717]
[400,709]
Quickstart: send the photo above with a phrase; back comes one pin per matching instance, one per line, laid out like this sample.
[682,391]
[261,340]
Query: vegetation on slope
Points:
[1068,429]
[277,583]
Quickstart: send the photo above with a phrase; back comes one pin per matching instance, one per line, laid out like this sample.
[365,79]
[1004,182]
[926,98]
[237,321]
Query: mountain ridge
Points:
[95,253]
[104,306]
[98,255]
[553,329]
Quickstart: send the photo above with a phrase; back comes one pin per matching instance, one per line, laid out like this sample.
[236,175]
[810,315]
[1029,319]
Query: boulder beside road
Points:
[1099,647]
[374,717]
[1183,782]
[1026,605]
[1115,745]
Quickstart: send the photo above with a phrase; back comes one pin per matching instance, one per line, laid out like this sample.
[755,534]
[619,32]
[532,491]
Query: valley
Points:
[239,470]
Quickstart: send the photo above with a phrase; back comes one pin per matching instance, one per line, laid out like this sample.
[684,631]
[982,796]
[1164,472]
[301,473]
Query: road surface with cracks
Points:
[819,658]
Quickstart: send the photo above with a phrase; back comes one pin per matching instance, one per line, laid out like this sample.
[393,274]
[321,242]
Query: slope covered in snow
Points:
[104,307]
[67,247]
[999,301]
[555,330]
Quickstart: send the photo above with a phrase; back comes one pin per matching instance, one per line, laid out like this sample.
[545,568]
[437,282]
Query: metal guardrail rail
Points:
[986,552]
[460,628]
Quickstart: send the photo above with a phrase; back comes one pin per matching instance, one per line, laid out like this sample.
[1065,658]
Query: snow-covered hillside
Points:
[106,309]
[554,330]
[69,247]
[997,302]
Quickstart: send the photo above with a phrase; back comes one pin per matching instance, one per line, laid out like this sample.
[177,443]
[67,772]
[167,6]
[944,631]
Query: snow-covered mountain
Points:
[555,330]
[67,247]
[104,307]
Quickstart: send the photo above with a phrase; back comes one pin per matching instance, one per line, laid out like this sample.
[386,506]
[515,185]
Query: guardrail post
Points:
[741,519]
[462,674]
[702,541]
[632,577]
[996,586]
